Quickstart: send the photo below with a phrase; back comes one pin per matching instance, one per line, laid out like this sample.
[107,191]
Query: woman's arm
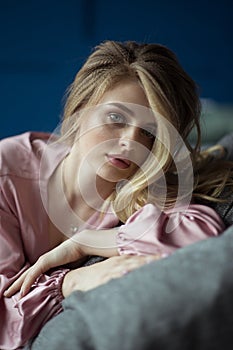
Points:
[87,242]
[145,233]
[23,318]
[150,231]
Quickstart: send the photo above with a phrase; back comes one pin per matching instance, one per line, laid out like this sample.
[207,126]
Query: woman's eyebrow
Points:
[151,125]
[123,107]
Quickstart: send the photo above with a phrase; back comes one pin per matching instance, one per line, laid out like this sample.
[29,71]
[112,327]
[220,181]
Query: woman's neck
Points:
[73,199]
[84,190]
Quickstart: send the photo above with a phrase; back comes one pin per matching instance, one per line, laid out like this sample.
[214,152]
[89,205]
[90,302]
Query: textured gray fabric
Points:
[183,302]
[225,210]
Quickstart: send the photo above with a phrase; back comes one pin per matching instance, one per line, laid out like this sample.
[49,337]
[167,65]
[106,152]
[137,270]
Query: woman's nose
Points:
[129,136]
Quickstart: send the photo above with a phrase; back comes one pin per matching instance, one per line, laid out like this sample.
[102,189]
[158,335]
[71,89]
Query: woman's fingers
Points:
[15,287]
[25,281]
[130,263]
[33,273]
[122,265]
[66,252]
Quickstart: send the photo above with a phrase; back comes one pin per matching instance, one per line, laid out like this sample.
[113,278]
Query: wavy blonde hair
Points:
[166,84]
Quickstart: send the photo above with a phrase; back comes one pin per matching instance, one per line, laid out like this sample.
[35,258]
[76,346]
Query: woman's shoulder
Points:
[20,154]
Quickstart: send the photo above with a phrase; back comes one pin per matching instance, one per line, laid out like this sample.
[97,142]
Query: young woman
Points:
[120,181]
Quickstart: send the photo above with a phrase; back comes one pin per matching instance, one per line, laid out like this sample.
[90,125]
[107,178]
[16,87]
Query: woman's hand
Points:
[65,253]
[89,277]
[87,242]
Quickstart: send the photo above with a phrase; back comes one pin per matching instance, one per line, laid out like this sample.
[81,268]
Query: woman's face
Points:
[116,136]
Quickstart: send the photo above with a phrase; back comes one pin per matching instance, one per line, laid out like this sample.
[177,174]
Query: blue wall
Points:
[43,44]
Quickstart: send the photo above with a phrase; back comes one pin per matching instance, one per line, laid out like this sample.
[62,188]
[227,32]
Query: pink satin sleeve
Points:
[146,231]
[26,316]
[22,319]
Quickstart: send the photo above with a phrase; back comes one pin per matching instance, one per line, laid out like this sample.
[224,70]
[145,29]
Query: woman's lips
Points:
[118,161]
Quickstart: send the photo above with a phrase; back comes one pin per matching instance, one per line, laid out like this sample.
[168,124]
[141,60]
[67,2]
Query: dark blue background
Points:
[44,43]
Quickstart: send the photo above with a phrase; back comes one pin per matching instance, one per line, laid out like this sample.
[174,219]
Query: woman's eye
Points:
[149,133]
[116,118]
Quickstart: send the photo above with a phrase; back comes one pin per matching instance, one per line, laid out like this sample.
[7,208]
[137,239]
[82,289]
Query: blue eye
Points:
[116,118]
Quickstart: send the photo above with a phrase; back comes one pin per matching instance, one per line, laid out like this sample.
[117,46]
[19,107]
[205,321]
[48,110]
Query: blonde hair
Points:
[166,84]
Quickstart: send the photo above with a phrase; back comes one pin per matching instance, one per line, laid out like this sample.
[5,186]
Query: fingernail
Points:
[21,293]
[6,293]
[164,255]
[125,272]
